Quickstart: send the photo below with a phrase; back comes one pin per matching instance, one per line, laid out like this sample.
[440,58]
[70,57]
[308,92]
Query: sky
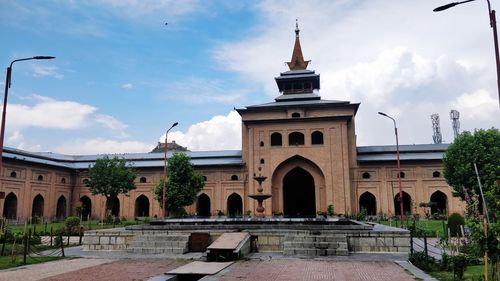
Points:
[126,70]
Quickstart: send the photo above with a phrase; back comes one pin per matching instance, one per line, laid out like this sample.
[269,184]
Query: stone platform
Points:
[302,237]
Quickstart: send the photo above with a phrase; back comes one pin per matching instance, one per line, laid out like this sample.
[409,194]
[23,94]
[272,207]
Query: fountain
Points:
[260,197]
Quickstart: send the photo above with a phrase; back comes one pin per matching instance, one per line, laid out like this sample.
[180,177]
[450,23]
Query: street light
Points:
[164,207]
[493,24]
[4,111]
[399,169]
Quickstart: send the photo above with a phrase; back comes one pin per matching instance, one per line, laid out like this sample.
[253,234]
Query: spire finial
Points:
[297,30]
[297,62]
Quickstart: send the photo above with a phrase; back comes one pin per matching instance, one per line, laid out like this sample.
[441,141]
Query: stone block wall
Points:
[117,239]
[379,242]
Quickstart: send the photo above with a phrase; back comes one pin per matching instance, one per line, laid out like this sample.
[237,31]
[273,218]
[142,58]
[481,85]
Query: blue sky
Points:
[122,76]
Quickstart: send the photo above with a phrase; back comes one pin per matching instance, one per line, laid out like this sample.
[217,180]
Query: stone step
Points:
[158,244]
[162,238]
[151,251]
[314,245]
[307,238]
[315,252]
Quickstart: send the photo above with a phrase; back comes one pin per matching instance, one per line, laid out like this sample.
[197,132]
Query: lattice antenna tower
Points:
[454,116]
[437,137]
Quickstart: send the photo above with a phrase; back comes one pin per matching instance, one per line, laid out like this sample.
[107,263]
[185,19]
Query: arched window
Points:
[276,139]
[86,210]
[261,160]
[366,175]
[203,205]
[234,205]
[10,206]
[142,180]
[368,202]
[295,115]
[402,175]
[261,143]
[205,178]
[436,174]
[13,174]
[37,207]
[317,137]
[40,177]
[440,201]
[85,182]
[296,138]
[61,207]
[234,177]
[406,204]
[63,180]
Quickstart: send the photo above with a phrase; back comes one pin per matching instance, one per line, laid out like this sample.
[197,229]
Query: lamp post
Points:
[4,110]
[164,207]
[398,170]
[493,24]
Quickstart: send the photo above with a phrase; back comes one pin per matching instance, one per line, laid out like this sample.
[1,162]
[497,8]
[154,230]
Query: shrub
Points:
[361,216]
[459,263]
[454,222]
[329,210]
[72,224]
[420,260]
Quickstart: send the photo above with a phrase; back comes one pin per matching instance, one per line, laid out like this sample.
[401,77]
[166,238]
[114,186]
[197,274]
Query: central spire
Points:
[297,62]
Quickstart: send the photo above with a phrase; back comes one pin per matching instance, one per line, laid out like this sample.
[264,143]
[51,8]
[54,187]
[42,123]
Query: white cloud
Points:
[200,90]
[111,123]
[49,113]
[218,133]
[46,70]
[468,105]
[102,146]
[127,86]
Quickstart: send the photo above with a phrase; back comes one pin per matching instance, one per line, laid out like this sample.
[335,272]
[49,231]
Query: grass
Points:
[9,261]
[473,272]
[20,228]
[431,226]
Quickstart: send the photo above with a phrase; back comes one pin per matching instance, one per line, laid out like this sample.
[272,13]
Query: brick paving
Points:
[291,270]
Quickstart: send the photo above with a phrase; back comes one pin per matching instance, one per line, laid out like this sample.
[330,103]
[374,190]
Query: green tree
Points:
[183,184]
[483,148]
[110,177]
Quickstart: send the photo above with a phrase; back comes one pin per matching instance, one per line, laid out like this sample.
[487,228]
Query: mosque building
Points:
[305,146]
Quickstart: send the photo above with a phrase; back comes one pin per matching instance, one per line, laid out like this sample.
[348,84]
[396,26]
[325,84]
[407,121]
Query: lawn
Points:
[430,226]
[473,272]
[95,224]
[8,261]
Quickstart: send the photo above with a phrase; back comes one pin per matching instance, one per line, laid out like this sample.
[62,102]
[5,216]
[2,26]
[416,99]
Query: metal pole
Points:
[164,207]
[482,195]
[399,176]
[493,24]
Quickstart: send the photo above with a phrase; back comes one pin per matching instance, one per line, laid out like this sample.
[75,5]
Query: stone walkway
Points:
[258,266]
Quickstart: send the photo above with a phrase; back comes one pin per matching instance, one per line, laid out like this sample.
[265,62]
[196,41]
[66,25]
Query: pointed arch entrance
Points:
[406,204]
[234,205]
[37,207]
[368,201]
[113,205]
[142,206]
[86,207]
[441,203]
[203,205]
[299,199]
[61,207]
[10,206]
[298,188]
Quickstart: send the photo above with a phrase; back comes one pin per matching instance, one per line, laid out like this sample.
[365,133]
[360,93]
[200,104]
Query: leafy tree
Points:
[483,148]
[110,177]
[183,184]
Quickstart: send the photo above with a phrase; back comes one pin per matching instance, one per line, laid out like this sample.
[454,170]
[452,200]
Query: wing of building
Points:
[305,146]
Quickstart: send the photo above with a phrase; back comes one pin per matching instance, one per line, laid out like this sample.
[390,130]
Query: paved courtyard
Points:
[259,266]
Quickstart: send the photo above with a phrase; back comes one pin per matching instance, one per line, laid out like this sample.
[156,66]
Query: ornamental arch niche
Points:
[142,206]
[368,201]
[298,188]
[37,207]
[203,205]
[441,203]
[86,207]
[61,207]
[10,206]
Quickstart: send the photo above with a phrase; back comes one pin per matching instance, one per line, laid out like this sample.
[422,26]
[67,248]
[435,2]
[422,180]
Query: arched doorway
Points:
[10,206]
[203,205]
[113,205]
[142,206]
[298,194]
[440,203]
[37,207]
[61,207]
[86,207]
[406,204]
[369,203]
[234,205]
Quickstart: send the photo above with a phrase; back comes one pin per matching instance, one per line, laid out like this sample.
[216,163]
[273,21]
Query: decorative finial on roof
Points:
[297,62]
[297,30]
